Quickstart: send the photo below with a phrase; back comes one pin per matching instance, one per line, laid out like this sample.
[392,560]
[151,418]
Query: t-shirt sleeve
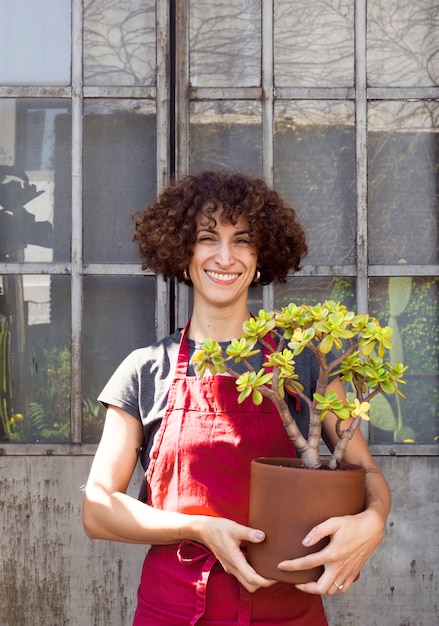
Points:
[122,389]
[141,383]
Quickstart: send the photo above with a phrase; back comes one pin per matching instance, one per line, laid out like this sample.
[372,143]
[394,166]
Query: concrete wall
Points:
[52,575]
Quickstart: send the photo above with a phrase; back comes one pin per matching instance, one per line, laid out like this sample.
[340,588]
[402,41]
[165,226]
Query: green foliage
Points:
[250,382]
[330,402]
[358,341]
[46,428]
[209,358]
[93,417]
[49,409]
[6,417]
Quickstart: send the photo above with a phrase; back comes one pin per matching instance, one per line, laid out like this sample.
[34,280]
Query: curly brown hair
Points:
[166,229]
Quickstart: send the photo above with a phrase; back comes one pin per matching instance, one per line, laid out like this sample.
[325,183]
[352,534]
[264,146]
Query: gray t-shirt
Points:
[141,383]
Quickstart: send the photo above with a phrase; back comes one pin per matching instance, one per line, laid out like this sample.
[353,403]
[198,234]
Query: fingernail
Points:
[259,534]
[306,541]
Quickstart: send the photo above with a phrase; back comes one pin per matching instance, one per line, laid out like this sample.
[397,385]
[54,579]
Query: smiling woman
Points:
[219,233]
[166,232]
[223,264]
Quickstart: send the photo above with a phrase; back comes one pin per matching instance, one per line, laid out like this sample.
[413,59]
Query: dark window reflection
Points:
[120,175]
[118,318]
[18,226]
[35,181]
[34,358]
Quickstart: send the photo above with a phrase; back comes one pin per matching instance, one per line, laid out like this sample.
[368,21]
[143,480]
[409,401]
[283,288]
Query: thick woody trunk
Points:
[307,448]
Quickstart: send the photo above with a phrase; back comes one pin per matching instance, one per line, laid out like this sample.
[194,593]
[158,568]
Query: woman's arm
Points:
[109,513]
[353,537]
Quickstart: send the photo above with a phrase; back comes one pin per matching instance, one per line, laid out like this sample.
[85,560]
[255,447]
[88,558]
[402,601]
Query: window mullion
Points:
[77,226]
[361,165]
[361,154]
[268,111]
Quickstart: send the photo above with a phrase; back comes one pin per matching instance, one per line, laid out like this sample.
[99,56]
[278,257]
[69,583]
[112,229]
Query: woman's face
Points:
[223,263]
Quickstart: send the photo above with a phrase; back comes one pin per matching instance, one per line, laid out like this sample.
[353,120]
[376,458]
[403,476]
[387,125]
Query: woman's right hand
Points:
[224,538]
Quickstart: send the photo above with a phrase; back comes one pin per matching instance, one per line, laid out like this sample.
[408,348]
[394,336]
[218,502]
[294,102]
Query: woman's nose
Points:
[225,253]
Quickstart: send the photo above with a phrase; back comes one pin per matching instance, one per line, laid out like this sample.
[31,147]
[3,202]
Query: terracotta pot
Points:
[286,501]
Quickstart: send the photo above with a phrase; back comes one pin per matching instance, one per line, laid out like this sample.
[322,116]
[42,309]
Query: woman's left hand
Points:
[353,538]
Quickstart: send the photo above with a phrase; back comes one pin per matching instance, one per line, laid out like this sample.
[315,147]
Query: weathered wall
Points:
[400,584]
[52,575]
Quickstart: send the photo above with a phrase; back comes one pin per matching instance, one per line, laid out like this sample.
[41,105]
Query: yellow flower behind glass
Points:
[17,417]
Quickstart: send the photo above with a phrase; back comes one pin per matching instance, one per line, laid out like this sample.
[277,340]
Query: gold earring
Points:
[257,276]
[186,275]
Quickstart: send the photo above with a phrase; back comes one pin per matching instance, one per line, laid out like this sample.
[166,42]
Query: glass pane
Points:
[411,306]
[119,42]
[314,43]
[314,167]
[35,358]
[226,135]
[35,180]
[35,42]
[118,318]
[403,178]
[314,290]
[225,43]
[402,43]
[119,176]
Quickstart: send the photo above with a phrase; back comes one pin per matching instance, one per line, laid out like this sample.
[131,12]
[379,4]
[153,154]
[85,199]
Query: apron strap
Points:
[183,354]
[244,610]
[190,552]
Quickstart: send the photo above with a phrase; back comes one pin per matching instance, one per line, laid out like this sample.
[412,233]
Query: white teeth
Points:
[224,277]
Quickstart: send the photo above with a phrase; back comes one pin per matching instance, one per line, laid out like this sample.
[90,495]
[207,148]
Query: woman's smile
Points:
[222,277]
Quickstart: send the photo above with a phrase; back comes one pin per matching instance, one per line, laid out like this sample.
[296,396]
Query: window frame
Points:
[174,94]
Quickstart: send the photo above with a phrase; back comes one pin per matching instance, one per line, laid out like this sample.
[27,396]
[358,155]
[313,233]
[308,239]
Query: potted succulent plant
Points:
[351,346]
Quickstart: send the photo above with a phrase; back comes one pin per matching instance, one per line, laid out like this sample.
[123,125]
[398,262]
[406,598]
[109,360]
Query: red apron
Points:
[200,464]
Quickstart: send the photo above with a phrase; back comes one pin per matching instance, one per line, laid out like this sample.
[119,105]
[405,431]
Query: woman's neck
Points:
[219,325]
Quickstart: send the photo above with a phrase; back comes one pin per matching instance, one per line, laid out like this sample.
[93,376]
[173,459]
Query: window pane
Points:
[118,318]
[226,135]
[35,358]
[403,178]
[402,43]
[314,290]
[314,166]
[119,175]
[35,180]
[225,43]
[411,306]
[119,42]
[35,41]
[314,43]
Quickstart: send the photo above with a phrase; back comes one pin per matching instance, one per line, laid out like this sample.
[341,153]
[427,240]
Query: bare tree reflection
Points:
[403,38]
[119,42]
[314,43]
[403,168]
[225,43]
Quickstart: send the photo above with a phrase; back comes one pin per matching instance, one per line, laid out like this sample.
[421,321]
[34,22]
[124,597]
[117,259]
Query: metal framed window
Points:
[92,114]
[321,99]
[328,101]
